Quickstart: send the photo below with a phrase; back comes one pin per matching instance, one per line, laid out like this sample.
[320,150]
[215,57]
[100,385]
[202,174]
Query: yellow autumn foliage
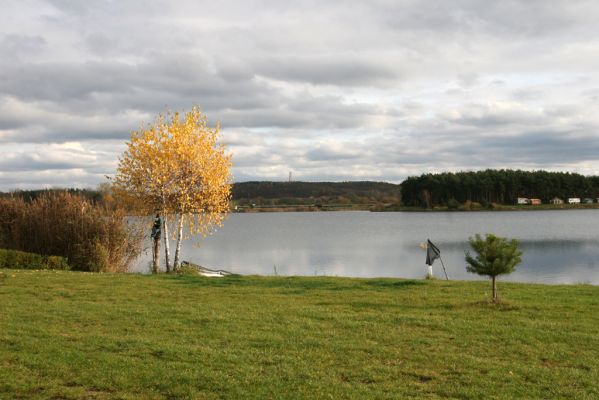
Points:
[177,166]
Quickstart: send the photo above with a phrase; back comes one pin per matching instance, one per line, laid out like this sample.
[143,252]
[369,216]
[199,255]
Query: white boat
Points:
[203,271]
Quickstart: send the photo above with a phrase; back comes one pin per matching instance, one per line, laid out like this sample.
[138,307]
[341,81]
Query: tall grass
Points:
[90,235]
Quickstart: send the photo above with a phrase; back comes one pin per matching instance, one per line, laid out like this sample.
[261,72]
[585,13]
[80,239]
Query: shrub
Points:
[187,269]
[22,260]
[452,204]
[494,256]
[89,235]
[57,262]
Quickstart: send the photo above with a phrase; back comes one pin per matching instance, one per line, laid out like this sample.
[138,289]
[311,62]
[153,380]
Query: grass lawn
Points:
[80,335]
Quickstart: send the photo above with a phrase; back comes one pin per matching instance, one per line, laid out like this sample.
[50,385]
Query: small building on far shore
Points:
[587,200]
[574,200]
[535,202]
[523,200]
[556,200]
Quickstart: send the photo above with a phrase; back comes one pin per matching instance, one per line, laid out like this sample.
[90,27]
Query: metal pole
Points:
[443,267]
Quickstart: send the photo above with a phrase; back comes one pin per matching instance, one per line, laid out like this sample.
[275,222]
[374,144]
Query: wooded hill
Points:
[266,193]
[315,193]
[495,186]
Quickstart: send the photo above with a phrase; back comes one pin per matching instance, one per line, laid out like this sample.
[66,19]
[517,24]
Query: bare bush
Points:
[90,235]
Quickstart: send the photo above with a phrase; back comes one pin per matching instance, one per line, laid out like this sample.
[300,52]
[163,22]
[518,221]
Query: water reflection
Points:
[559,246]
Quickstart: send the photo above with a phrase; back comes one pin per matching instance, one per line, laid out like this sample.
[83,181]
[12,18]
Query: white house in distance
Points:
[556,200]
[523,200]
[574,200]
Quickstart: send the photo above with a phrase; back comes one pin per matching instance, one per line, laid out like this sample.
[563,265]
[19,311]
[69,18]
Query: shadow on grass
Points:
[501,305]
[393,283]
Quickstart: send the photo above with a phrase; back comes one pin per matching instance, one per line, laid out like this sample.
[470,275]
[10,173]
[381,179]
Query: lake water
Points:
[558,246]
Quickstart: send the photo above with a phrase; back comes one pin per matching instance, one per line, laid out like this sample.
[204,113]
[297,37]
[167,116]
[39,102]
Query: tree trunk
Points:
[494,289]
[178,247]
[156,256]
[166,244]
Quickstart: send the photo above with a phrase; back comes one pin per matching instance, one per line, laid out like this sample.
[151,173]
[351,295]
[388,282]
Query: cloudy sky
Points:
[330,90]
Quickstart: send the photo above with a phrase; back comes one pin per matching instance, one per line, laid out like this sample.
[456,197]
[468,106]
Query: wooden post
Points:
[156,244]
[166,244]
[156,255]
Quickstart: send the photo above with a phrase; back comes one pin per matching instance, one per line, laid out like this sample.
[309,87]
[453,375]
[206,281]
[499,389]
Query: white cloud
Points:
[333,90]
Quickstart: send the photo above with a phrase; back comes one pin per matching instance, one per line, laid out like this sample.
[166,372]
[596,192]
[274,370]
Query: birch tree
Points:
[178,168]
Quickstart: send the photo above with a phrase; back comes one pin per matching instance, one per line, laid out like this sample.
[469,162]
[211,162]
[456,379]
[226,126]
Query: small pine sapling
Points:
[494,256]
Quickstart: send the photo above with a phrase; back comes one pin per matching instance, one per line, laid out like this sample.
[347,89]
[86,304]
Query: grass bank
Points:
[503,207]
[83,335]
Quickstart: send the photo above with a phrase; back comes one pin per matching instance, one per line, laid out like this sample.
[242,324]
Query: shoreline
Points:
[499,208]
[6,273]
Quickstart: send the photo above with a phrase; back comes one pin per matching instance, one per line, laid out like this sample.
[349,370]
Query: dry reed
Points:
[90,235]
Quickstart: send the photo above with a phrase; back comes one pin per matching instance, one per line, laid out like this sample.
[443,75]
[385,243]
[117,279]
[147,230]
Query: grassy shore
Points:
[394,208]
[503,207]
[81,335]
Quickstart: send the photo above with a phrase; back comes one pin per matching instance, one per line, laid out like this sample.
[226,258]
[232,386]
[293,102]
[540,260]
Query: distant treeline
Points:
[271,193]
[314,193]
[428,190]
[495,186]
[29,195]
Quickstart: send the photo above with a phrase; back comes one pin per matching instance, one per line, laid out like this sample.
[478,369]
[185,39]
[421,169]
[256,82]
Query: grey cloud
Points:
[507,18]
[352,90]
[31,123]
[334,153]
[27,163]
[538,149]
[49,178]
[544,147]
[592,94]
[58,81]
[528,94]
[492,115]
[317,112]
[13,46]
[52,157]
[330,70]
[467,80]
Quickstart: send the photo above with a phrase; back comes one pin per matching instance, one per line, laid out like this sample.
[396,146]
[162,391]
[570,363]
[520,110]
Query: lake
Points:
[558,246]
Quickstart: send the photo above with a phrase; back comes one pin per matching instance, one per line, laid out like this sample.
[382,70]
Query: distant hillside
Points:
[310,193]
[282,193]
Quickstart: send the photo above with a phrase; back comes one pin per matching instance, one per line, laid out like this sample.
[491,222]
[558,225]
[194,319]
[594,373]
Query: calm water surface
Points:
[558,246]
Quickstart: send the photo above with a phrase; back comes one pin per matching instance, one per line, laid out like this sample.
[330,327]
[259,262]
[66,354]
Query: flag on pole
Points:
[432,252]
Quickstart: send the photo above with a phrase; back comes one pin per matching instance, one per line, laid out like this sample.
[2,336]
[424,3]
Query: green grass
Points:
[81,335]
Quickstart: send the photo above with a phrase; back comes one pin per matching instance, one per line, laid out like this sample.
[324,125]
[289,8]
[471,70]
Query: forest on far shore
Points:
[427,191]
[495,186]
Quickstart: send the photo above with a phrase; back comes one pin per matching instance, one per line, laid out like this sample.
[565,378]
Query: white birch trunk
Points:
[179,239]
[166,244]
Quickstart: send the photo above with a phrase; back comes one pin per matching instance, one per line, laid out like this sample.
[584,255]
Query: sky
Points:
[327,90]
